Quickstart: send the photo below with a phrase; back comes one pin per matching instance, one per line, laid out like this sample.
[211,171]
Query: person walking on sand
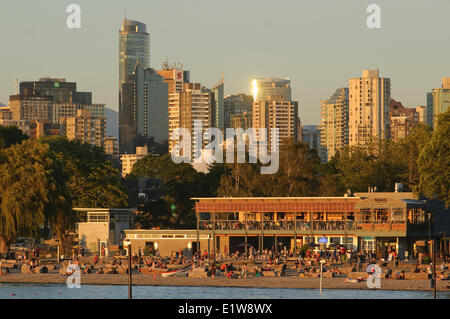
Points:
[430,275]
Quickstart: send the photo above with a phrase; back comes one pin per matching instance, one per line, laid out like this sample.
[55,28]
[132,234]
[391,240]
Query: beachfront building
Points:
[369,222]
[98,228]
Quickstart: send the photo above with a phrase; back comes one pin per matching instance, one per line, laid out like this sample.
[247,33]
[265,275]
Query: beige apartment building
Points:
[85,128]
[271,114]
[334,124]
[128,160]
[369,98]
[194,103]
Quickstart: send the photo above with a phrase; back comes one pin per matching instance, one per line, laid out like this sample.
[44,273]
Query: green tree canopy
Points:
[34,194]
[10,135]
[93,181]
[181,182]
[434,163]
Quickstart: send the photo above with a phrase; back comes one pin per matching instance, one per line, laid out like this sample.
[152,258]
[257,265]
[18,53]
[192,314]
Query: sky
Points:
[318,44]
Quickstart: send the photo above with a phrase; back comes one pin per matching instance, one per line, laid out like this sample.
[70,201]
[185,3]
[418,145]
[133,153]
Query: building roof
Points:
[271,198]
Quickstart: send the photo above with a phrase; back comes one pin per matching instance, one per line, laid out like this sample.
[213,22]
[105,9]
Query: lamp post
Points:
[433,255]
[445,244]
[130,278]
[322,261]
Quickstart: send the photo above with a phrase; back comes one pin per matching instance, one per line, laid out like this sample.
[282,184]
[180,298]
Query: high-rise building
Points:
[62,110]
[65,99]
[174,76]
[311,136]
[334,124]
[143,111]
[134,47]
[422,113]
[273,108]
[262,88]
[441,99]
[369,98]
[280,114]
[238,107]
[243,120]
[218,111]
[111,146]
[429,109]
[60,90]
[194,103]
[85,128]
[31,107]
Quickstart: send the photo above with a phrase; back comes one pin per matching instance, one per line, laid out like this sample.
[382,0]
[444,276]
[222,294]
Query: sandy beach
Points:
[261,282]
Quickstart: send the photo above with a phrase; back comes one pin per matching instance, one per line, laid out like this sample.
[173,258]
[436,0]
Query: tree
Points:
[10,135]
[93,180]
[297,174]
[180,182]
[378,164]
[329,179]
[34,194]
[434,163]
[409,150]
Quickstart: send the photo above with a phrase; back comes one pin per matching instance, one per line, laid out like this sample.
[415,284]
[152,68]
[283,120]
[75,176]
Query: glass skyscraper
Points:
[276,88]
[134,49]
[134,46]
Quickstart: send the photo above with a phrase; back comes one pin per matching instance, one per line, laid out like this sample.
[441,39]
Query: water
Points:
[61,291]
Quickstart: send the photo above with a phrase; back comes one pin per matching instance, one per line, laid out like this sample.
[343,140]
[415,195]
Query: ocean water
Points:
[61,291]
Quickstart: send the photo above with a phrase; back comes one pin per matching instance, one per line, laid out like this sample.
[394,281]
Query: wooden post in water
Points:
[321,275]
[130,278]
[434,269]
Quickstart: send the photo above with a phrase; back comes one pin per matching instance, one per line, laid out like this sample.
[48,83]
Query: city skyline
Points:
[254,45]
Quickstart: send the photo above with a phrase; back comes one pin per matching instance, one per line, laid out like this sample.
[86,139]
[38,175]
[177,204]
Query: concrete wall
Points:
[89,234]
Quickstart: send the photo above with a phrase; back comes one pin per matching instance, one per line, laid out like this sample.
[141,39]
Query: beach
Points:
[251,282]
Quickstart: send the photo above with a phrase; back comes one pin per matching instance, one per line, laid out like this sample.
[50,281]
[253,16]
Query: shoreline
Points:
[261,282]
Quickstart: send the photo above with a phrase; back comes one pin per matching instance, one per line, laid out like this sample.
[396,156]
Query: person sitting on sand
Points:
[442,276]
[400,275]
[359,279]
[388,274]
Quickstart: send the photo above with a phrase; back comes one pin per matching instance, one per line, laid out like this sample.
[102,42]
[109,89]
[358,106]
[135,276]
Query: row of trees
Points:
[421,162]
[41,180]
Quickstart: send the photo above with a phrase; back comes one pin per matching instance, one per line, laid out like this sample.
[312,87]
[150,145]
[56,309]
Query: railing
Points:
[329,225]
[381,226]
[282,225]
